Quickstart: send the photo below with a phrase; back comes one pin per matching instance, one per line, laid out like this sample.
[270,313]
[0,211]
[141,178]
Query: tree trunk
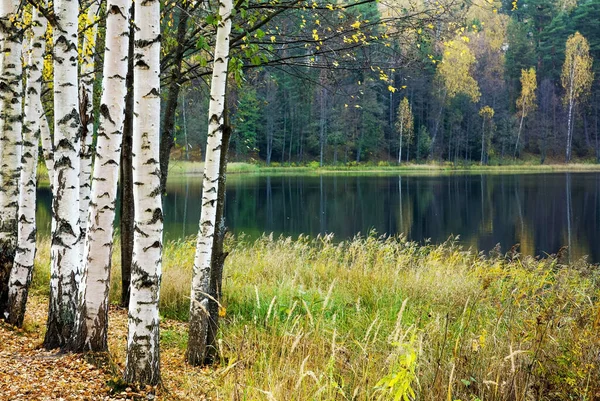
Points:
[20,276]
[400,147]
[520,128]
[199,313]
[482,142]
[569,131]
[322,124]
[92,314]
[218,256]
[65,252]
[127,206]
[167,139]
[143,354]
[570,116]
[86,111]
[10,139]
[437,125]
[270,118]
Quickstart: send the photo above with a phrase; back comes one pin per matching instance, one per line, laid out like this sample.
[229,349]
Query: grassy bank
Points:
[372,319]
[179,168]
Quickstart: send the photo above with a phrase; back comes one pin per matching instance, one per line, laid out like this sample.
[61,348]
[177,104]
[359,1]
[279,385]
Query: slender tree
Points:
[11,93]
[526,103]
[199,310]
[92,316]
[486,113]
[126,175]
[88,76]
[20,276]
[404,125]
[65,271]
[576,78]
[143,354]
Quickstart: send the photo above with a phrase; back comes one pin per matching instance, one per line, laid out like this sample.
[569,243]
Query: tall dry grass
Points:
[378,319]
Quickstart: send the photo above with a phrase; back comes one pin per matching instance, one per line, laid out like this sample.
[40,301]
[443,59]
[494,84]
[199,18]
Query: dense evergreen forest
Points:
[476,81]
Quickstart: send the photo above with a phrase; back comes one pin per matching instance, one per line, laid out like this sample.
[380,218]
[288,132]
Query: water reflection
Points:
[542,212]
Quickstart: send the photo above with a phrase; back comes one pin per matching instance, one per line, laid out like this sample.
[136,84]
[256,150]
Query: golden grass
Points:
[184,168]
[374,318]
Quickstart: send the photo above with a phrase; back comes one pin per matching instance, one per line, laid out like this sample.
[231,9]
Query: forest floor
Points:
[29,372]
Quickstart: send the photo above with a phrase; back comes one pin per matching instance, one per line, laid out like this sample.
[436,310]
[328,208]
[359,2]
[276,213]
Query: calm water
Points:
[542,212]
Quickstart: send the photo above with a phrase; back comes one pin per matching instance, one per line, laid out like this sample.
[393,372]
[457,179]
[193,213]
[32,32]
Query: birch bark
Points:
[20,276]
[143,357]
[92,314]
[87,71]
[11,117]
[65,272]
[199,313]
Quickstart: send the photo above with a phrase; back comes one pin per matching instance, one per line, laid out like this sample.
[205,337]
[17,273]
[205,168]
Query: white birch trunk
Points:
[520,128]
[11,117]
[570,116]
[210,187]
[400,147]
[482,140]
[46,140]
[143,356]
[92,314]
[87,112]
[20,276]
[65,250]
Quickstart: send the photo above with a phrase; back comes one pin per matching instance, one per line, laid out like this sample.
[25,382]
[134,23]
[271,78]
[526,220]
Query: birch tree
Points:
[92,314]
[404,125]
[65,250]
[87,72]
[455,72]
[526,102]
[20,276]
[143,357]
[576,78]
[486,113]
[11,93]
[199,311]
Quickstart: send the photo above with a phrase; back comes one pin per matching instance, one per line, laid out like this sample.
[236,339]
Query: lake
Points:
[542,212]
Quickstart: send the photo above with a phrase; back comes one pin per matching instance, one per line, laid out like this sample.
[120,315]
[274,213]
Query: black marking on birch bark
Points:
[117,76]
[155,92]
[141,43]
[157,215]
[155,244]
[73,115]
[137,229]
[111,161]
[133,318]
[155,192]
[68,44]
[63,161]
[115,10]
[142,65]
[105,112]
